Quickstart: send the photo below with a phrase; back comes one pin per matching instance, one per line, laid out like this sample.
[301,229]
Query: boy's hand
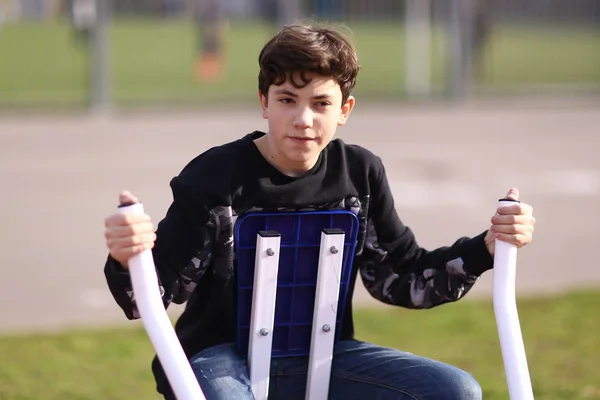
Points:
[128,234]
[512,224]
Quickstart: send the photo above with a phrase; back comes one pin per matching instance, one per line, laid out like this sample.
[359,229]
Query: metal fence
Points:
[102,53]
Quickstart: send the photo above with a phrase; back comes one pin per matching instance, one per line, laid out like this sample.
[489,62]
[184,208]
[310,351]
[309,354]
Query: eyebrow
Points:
[288,92]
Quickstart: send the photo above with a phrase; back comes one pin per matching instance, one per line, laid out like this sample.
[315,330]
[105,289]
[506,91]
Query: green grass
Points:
[152,60]
[561,335]
[526,56]
[562,338]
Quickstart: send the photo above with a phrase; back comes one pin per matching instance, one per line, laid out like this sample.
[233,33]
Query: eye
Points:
[323,104]
[286,100]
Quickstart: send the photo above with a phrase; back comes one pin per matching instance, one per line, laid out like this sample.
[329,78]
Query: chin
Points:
[303,157]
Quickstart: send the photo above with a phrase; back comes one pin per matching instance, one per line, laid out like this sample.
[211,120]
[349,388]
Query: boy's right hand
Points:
[128,234]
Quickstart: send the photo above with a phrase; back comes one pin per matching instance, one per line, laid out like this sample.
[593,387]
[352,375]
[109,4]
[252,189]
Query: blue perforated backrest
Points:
[297,274]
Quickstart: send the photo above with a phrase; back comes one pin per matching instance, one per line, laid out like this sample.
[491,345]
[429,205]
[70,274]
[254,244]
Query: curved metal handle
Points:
[507,318]
[157,323]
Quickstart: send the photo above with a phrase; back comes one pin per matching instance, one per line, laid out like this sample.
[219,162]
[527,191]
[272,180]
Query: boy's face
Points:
[302,121]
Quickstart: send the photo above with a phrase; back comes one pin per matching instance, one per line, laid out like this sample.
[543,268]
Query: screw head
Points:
[270,252]
[333,250]
[264,332]
[326,328]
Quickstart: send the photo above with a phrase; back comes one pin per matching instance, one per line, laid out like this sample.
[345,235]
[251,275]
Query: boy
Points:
[306,76]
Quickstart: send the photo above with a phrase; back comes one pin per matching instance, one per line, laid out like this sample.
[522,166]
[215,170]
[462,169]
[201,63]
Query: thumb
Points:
[126,198]
[513,194]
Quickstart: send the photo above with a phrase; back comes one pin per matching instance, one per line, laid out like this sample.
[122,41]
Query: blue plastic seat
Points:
[297,274]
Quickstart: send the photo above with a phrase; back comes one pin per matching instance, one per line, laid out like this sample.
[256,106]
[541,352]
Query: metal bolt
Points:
[326,328]
[270,252]
[333,250]
[264,331]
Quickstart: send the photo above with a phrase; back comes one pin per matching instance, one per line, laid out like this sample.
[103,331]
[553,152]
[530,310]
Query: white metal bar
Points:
[418,48]
[263,311]
[157,323]
[288,11]
[100,62]
[85,14]
[458,56]
[324,320]
[507,319]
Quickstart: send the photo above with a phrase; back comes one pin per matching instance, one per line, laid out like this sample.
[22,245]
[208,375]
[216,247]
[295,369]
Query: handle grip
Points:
[507,318]
[157,323]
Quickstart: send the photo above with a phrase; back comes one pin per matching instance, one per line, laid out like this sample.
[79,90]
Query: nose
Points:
[304,118]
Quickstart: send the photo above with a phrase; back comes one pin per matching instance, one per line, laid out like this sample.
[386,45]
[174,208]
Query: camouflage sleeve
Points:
[412,277]
[182,253]
[396,270]
[119,284]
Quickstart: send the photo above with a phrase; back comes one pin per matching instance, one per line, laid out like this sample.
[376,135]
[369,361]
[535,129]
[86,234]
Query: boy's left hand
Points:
[512,224]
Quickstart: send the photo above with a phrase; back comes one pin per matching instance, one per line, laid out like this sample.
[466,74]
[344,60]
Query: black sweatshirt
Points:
[194,253]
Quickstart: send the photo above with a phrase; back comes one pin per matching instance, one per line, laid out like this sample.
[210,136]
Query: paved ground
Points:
[60,177]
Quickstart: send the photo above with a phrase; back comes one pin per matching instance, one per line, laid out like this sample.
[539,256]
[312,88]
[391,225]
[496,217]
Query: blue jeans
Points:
[359,371]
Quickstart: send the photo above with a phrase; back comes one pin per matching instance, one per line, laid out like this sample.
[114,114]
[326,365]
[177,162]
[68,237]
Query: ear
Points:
[346,110]
[263,104]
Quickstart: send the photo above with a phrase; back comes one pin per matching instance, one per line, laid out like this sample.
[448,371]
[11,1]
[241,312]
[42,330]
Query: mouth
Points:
[301,139]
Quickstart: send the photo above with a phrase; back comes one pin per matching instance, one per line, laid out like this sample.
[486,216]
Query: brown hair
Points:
[298,49]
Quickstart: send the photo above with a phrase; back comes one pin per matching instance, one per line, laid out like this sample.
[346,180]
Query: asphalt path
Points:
[61,175]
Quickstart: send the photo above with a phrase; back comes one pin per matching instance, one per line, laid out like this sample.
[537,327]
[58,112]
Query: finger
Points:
[515,209]
[115,243]
[513,219]
[513,194]
[124,232]
[121,219]
[123,255]
[126,246]
[126,198]
[512,229]
[120,231]
[518,239]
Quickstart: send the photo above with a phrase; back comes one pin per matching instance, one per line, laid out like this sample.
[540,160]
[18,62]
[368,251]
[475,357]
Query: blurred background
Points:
[462,99]
[135,53]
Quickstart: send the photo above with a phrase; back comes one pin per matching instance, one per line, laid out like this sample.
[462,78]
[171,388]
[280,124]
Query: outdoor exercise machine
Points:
[293,273]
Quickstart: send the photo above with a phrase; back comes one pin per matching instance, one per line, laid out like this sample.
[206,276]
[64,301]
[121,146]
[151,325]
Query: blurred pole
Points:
[327,9]
[459,57]
[288,11]
[418,48]
[210,20]
[100,60]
